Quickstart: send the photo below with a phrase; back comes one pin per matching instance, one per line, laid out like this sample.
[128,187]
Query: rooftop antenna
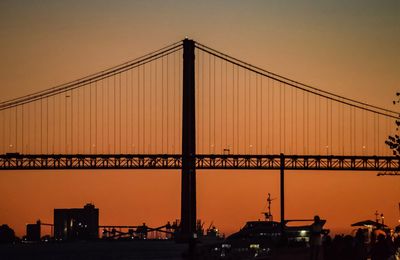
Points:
[268,214]
[376,216]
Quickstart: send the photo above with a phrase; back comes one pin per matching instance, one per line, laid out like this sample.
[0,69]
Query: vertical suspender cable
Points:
[366,132]
[338,128]
[315,124]
[9,123]
[284,119]
[304,122]
[387,132]
[90,119]
[104,116]
[126,110]
[83,118]
[209,102]
[108,111]
[292,121]
[120,112]
[262,118]
[202,102]
[138,111]
[114,113]
[319,124]
[343,123]
[54,124]
[81,99]
[379,134]
[198,100]
[214,103]
[308,124]
[47,125]
[3,134]
[78,120]
[179,103]
[65,122]
[237,109]
[168,92]
[257,119]
[174,102]
[226,105]
[95,118]
[129,113]
[374,134]
[273,117]
[22,128]
[59,123]
[150,144]
[232,139]
[221,105]
[296,103]
[101,108]
[245,112]
[249,130]
[72,117]
[16,129]
[362,132]
[351,130]
[41,125]
[144,110]
[162,105]
[3,131]
[327,126]
[354,131]
[131,106]
[331,117]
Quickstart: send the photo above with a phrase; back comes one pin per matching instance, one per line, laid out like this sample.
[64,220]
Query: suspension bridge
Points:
[188,106]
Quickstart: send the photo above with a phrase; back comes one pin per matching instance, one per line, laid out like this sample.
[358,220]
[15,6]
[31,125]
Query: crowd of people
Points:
[377,244]
[359,247]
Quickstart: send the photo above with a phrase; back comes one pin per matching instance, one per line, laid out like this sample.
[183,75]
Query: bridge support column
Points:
[282,187]
[188,175]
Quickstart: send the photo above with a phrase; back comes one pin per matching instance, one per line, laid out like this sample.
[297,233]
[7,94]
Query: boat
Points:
[258,239]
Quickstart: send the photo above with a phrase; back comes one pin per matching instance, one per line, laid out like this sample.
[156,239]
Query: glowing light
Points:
[256,246]
[226,246]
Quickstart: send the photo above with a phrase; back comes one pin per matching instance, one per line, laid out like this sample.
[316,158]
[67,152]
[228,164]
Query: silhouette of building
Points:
[33,231]
[76,224]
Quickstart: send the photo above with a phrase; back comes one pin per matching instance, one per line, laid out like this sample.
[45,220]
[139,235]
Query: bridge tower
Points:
[188,175]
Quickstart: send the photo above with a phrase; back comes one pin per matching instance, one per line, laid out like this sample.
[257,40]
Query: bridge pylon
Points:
[188,174]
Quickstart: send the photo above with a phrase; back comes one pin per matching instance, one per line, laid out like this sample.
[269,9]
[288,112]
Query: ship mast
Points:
[268,214]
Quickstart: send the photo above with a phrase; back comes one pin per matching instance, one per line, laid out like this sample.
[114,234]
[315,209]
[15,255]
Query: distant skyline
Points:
[349,48]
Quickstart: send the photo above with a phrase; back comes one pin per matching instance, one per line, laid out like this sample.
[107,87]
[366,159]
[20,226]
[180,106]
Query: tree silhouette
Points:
[393,141]
[7,234]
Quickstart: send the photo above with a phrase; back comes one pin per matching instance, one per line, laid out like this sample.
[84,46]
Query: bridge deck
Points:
[212,161]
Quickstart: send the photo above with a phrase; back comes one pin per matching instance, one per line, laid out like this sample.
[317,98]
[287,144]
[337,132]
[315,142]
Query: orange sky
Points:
[349,48]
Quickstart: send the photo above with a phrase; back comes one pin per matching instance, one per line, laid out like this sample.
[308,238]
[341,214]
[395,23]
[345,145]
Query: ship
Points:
[258,239]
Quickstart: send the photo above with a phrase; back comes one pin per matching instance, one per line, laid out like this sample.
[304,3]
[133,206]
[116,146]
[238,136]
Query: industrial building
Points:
[76,223]
[33,232]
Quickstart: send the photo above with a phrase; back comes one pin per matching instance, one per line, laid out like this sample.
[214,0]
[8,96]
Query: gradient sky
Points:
[346,47]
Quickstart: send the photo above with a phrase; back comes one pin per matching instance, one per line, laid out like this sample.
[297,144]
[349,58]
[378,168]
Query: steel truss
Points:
[203,161]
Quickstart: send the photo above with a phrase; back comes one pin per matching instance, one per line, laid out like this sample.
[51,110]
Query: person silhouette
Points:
[316,231]
[381,249]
